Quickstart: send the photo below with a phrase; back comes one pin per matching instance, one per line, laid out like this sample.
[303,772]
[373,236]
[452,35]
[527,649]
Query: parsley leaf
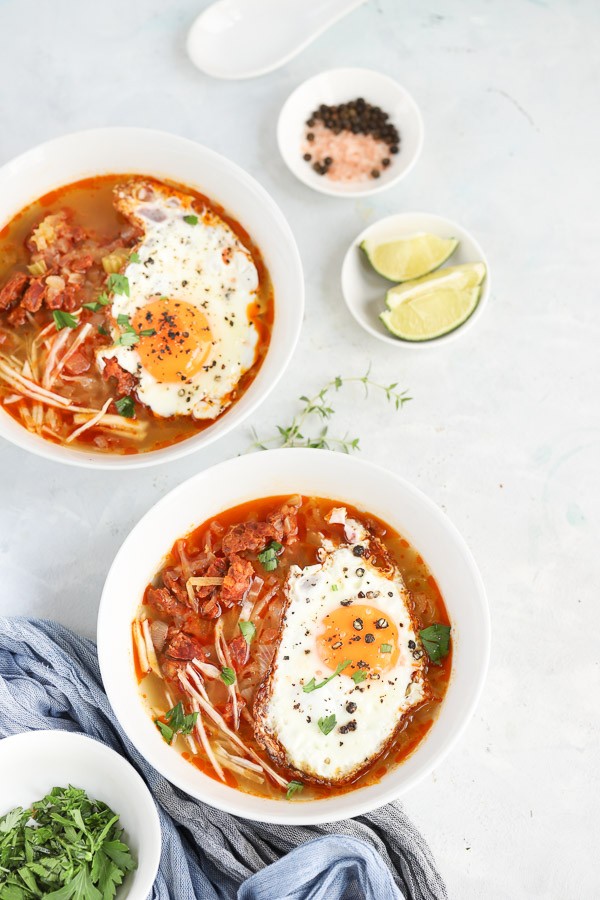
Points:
[227,675]
[125,407]
[122,319]
[294,787]
[147,332]
[94,306]
[248,629]
[167,733]
[128,338]
[386,648]
[177,723]
[313,686]
[191,220]
[63,319]
[358,676]
[268,556]
[436,641]
[118,284]
[327,723]
[134,258]
[102,330]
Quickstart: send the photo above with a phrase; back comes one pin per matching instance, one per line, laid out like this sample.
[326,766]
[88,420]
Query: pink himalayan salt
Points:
[354,155]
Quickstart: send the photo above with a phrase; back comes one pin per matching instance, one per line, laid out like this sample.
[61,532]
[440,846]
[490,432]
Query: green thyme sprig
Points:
[300,431]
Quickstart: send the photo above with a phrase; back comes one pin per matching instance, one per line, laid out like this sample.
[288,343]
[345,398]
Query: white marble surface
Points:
[503,431]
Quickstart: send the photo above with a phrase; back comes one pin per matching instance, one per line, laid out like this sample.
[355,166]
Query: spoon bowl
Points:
[246,38]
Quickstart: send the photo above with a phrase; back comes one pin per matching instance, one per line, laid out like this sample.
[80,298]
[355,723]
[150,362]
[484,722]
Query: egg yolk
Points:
[362,634]
[175,339]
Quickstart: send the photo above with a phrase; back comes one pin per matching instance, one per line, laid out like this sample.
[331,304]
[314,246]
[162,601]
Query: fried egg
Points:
[181,322]
[348,668]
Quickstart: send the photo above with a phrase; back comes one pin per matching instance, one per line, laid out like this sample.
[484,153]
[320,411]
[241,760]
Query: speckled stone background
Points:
[504,429]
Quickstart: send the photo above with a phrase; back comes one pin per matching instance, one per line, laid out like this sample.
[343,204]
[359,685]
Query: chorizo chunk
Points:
[33,296]
[250,536]
[237,580]
[164,601]
[125,380]
[184,646]
[13,290]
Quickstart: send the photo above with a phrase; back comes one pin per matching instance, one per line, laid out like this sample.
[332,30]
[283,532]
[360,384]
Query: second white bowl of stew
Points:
[151,295]
[294,636]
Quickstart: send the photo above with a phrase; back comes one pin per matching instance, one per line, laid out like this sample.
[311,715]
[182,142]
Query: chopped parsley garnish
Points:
[327,723]
[386,648]
[118,284]
[313,686]
[178,722]
[248,629]
[268,557]
[164,729]
[436,641]
[128,338]
[227,675]
[134,258]
[75,850]
[95,305]
[358,676]
[191,220]
[334,587]
[294,787]
[102,330]
[63,319]
[125,407]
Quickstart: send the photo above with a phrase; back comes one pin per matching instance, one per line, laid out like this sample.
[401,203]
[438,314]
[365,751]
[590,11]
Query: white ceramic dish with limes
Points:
[365,290]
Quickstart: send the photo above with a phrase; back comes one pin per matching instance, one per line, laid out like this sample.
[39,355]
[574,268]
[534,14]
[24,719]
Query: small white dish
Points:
[337,86]
[34,762]
[227,40]
[319,473]
[141,151]
[364,289]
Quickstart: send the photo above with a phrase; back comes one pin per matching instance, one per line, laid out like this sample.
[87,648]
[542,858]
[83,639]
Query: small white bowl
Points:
[364,289]
[34,762]
[284,472]
[340,86]
[107,151]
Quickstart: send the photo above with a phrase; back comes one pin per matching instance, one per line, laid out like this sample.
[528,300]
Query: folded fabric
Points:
[49,678]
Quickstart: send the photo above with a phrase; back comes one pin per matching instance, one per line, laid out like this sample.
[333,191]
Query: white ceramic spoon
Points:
[246,38]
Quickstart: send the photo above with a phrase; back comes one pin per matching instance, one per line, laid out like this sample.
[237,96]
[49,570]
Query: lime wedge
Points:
[410,257]
[431,313]
[469,275]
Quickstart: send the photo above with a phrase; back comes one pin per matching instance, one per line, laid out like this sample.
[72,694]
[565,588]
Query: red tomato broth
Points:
[90,203]
[311,527]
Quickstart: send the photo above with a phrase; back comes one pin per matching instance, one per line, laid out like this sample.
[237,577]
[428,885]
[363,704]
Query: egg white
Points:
[207,266]
[287,717]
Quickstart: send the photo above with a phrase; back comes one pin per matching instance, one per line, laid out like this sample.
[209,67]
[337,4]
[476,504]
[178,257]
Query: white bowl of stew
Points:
[151,296]
[236,530]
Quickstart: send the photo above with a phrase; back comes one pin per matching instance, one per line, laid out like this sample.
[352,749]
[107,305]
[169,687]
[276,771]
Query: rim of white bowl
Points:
[350,192]
[20,437]
[81,742]
[279,812]
[432,342]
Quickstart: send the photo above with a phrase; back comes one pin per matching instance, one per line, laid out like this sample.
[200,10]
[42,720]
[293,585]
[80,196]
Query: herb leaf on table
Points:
[317,410]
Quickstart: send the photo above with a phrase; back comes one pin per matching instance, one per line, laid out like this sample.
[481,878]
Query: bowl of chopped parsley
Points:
[76,820]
